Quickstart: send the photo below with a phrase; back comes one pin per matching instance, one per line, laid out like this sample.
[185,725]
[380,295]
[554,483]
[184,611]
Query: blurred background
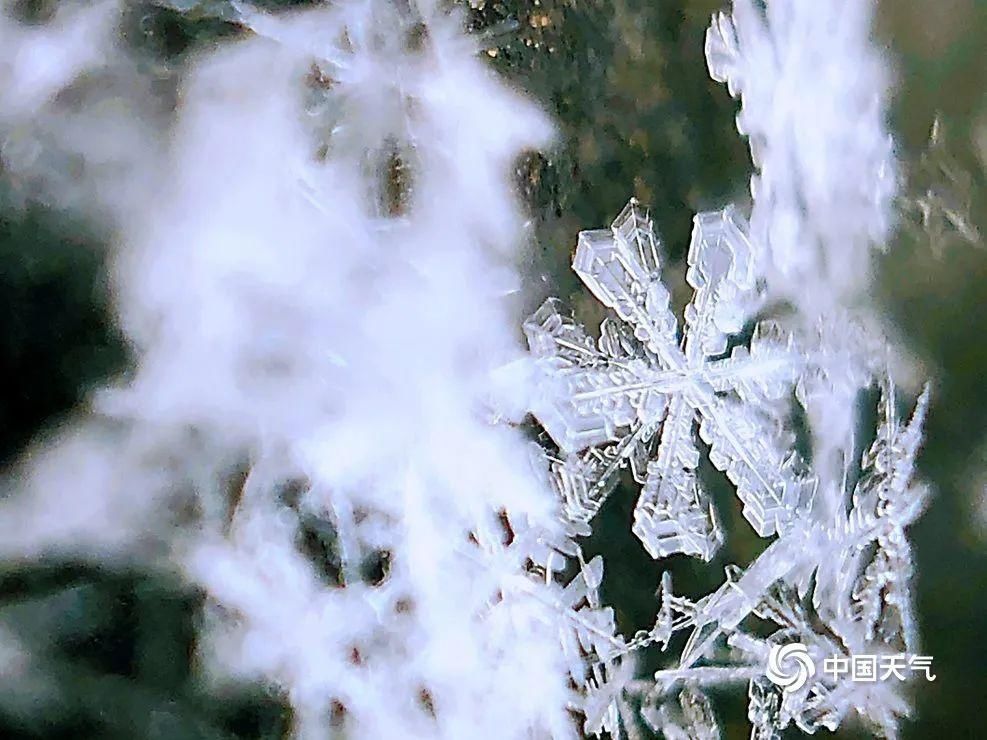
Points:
[626,82]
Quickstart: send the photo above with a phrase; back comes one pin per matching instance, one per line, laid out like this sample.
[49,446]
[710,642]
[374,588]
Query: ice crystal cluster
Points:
[322,431]
[313,435]
[939,204]
[836,575]
[770,327]
[817,138]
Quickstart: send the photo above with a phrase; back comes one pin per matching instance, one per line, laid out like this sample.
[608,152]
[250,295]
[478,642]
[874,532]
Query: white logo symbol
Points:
[790,666]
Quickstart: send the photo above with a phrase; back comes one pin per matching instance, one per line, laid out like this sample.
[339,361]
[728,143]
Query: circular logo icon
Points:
[790,666]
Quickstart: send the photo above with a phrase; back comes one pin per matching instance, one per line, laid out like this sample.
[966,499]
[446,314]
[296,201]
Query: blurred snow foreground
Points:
[317,272]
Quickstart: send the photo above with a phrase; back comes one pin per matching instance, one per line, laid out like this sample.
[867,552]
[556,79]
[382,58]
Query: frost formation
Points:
[314,424]
[637,381]
[770,336]
[636,396]
[813,92]
[310,435]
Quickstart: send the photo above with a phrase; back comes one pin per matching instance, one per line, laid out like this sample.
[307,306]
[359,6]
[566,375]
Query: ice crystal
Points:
[812,91]
[333,324]
[857,566]
[293,321]
[835,580]
[840,558]
[691,719]
[610,399]
[653,395]
[938,204]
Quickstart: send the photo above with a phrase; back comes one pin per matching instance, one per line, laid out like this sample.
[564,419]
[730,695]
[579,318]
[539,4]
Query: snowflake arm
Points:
[593,389]
[673,513]
[620,267]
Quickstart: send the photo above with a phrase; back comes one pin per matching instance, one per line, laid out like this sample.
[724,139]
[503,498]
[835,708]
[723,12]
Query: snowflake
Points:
[870,580]
[836,576]
[607,402]
[830,543]
[836,583]
[824,167]
[858,568]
